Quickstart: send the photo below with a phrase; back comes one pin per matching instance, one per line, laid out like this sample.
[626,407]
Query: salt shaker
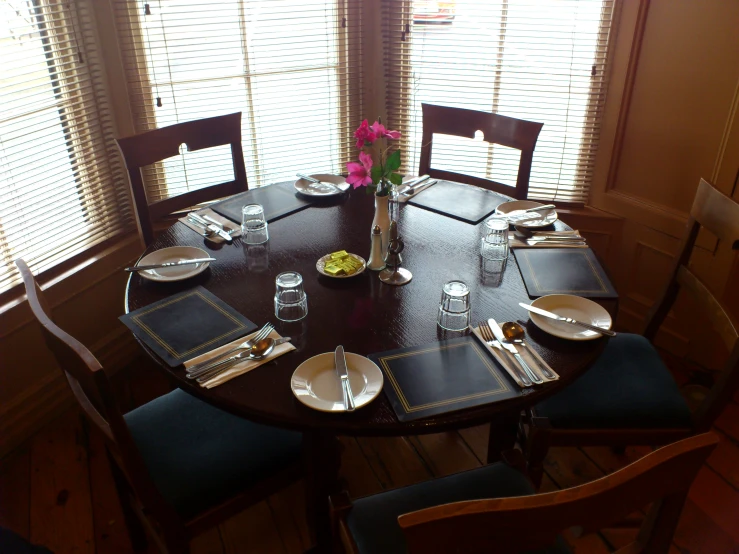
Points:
[376,261]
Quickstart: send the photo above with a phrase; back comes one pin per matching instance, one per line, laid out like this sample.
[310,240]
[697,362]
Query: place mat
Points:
[442,377]
[464,202]
[243,366]
[563,271]
[278,200]
[188,324]
[509,363]
[228,225]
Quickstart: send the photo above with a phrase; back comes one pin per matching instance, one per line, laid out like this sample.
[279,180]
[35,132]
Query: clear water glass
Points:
[291,303]
[494,243]
[253,225]
[454,308]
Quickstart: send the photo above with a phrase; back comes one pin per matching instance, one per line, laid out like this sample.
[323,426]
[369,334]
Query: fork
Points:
[202,367]
[489,338]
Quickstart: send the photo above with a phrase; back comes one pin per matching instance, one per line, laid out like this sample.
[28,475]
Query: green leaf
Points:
[376,174]
[396,179]
[393,161]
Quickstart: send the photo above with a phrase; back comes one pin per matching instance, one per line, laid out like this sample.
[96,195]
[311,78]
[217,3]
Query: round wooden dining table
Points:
[365,316]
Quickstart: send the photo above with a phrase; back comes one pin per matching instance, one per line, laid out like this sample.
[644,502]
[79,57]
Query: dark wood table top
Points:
[362,313]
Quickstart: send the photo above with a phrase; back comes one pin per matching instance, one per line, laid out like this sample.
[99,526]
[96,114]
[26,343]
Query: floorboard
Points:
[15,492]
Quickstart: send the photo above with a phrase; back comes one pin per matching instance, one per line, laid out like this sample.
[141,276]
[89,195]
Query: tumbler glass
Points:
[454,308]
[494,243]
[253,225]
[291,303]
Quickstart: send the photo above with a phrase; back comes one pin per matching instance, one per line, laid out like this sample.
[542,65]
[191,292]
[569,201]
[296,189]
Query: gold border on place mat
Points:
[603,288]
[136,319]
[410,409]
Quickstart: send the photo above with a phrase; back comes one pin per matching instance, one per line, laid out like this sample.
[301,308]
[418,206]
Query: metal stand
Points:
[394,274]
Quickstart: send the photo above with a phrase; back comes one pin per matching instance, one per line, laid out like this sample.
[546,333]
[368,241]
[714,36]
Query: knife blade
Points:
[169,264]
[340,361]
[498,332]
[569,320]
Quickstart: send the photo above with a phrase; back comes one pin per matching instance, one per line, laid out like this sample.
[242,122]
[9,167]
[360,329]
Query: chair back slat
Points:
[530,522]
[159,144]
[497,129]
[716,212]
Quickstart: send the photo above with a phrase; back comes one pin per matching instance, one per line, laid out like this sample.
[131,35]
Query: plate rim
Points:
[347,354]
[536,319]
[161,279]
[528,226]
[356,256]
[320,177]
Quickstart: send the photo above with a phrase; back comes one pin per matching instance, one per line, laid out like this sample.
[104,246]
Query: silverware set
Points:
[492,335]
[413,185]
[207,366]
[169,264]
[210,226]
[569,320]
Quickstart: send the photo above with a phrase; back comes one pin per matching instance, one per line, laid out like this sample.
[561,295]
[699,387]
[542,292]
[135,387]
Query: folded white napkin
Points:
[509,363]
[228,225]
[403,198]
[516,242]
[243,366]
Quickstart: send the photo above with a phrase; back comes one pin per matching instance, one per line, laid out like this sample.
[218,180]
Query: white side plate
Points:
[173,254]
[576,307]
[316,384]
[550,216]
[321,265]
[313,189]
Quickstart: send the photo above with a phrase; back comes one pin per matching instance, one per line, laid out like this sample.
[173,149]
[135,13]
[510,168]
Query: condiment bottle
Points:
[376,261]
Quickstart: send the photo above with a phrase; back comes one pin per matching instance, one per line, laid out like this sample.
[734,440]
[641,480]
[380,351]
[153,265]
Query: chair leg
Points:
[134,526]
[537,447]
[502,436]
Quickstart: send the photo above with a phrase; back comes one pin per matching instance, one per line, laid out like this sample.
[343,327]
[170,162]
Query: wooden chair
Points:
[159,144]
[628,397]
[180,461]
[494,508]
[498,129]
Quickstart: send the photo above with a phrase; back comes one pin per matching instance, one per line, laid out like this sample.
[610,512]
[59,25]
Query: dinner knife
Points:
[498,332]
[218,228]
[340,361]
[569,320]
[169,264]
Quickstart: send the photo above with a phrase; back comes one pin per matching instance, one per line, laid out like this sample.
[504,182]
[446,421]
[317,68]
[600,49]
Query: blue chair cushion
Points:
[199,456]
[628,387]
[373,520]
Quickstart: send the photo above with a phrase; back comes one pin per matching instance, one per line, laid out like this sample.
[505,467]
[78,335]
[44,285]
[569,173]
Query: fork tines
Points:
[486,331]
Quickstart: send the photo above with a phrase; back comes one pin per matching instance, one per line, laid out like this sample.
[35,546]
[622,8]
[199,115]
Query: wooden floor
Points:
[57,490]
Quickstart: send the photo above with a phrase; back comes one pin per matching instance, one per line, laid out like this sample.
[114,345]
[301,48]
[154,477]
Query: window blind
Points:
[62,188]
[537,60]
[292,67]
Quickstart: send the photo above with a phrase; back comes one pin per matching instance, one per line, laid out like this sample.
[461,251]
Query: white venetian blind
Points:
[292,68]
[539,60]
[62,188]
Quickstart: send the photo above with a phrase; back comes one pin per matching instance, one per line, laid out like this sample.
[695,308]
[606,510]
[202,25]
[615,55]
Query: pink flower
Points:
[359,173]
[379,130]
[363,134]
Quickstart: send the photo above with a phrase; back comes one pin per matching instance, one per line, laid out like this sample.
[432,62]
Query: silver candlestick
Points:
[393,274]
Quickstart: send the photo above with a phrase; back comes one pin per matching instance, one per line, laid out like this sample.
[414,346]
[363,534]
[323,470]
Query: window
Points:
[62,189]
[290,66]
[537,60]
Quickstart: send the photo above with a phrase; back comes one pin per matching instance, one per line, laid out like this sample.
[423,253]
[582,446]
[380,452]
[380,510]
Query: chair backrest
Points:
[92,390]
[159,144]
[531,522]
[497,129]
[719,214]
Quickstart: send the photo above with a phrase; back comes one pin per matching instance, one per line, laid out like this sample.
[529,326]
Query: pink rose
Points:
[364,135]
[380,131]
[359,173]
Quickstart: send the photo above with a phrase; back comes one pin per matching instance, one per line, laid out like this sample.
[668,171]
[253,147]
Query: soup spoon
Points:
[513,332]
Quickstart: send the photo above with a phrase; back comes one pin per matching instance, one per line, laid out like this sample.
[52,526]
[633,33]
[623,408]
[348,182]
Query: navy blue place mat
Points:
[186,325]
[464,202]
[563,271]
[442,377]
[278,200]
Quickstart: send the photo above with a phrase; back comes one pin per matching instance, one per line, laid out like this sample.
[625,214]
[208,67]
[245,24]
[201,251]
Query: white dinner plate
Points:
[316,384]
[321,266]
[313,189]
[173,254]
[576,307]
[550,216]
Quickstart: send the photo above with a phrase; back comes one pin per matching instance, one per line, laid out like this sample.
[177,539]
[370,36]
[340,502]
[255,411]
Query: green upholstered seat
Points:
[628,387]
[198,455]
[373,520]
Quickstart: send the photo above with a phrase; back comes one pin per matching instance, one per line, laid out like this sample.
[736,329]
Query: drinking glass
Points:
[494,243]
[291,303]
[454,308]
[253,225]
